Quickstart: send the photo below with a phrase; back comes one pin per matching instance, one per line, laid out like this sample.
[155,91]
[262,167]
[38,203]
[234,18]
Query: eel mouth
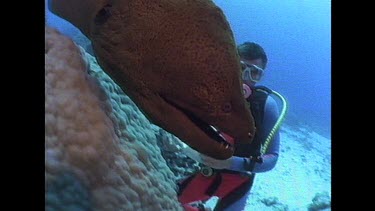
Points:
[225,142]
[211,131]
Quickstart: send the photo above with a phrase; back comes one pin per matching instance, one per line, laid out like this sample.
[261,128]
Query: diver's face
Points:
[258,63]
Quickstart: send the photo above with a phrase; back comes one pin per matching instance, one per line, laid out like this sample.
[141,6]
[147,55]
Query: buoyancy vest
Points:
[257,101]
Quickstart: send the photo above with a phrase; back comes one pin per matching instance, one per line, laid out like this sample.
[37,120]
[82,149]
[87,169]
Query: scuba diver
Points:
[226,184]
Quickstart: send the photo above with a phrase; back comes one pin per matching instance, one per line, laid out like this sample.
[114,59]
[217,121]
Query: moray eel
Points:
[176,59]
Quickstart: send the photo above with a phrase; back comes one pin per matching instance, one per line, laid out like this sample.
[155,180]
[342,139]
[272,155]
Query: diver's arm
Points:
[271,113]
[269,158]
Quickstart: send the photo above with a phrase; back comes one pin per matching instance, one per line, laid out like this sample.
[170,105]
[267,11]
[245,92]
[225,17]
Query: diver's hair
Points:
[251,51]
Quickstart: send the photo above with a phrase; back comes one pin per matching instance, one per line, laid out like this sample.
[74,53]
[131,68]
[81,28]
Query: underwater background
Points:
[296,36]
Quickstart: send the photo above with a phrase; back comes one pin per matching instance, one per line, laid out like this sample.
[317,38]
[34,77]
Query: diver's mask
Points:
[251,72]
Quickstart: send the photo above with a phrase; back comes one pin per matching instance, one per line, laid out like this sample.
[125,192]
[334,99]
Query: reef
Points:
[101,153]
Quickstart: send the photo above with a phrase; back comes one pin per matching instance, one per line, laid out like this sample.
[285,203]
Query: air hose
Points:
[278,122]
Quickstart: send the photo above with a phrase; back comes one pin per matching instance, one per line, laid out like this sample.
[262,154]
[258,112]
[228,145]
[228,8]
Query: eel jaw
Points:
[211,131]
[218,142]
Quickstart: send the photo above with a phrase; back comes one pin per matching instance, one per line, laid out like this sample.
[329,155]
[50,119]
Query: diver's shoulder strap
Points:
[264,89]
[257,102]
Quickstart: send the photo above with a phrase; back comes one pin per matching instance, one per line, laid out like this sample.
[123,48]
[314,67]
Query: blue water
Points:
[297,38]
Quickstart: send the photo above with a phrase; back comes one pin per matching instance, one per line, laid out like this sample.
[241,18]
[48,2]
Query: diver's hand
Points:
[204,159]
[214,163]
[233,163]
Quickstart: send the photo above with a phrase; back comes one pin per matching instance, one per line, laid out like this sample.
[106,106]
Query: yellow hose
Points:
[277,124]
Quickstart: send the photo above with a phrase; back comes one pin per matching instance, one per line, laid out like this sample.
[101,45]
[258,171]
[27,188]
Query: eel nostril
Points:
[227,107]
[103,14]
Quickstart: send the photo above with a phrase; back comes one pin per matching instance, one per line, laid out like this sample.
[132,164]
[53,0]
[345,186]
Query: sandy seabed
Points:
[303,170]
